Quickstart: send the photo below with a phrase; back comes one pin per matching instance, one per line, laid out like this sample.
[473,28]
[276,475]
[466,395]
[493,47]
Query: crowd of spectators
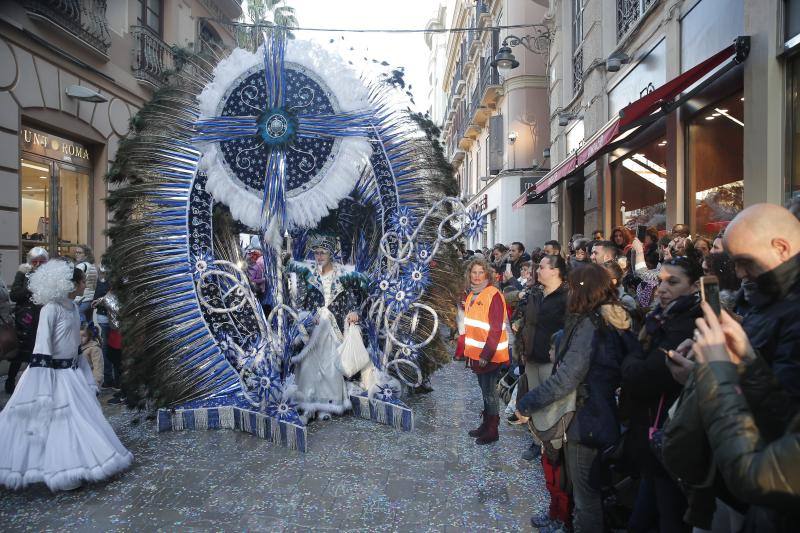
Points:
[649,409]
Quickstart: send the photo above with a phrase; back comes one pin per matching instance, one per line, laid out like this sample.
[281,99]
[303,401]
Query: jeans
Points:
[536,374]
[488,383]
[588,515]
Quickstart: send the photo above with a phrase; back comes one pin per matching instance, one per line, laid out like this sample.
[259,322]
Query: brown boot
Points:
[477,432]
[491,434]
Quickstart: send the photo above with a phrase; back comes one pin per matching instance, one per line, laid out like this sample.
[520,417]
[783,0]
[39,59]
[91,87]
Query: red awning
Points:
[629,117]
[667,92]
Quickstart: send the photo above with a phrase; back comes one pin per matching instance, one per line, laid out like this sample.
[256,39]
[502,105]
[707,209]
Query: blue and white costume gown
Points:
[320,383]
[52,429]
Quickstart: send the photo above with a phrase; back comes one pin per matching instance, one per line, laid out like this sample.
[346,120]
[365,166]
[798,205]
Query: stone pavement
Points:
[356,476]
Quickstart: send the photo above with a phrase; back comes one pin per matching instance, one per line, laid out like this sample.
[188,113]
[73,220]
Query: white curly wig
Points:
[52,281]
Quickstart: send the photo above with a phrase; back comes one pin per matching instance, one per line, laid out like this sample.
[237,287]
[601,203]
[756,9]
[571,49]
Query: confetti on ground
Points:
[356,476]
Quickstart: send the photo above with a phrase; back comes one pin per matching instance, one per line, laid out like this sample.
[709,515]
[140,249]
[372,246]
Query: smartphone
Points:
[709,291]
[641,232]
[508,268]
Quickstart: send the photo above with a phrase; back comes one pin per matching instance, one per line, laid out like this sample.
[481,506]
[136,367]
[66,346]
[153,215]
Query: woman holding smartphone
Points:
[648,390]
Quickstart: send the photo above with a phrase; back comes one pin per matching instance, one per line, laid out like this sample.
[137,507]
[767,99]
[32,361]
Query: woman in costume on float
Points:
[52,429]
[334,296]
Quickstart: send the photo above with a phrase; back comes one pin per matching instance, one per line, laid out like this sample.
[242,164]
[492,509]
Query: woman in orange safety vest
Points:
[485,343]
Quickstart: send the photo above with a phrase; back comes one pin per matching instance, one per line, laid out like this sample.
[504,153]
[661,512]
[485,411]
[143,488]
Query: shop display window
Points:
[35,192]
[715,165]
[640,186]
[793,181]
[54,191]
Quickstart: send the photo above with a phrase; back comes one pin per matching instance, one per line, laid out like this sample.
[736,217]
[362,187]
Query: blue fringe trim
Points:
[392,413]
[234,417]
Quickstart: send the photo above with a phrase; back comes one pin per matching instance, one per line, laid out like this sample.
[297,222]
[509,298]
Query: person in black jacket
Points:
[26,313]
[543,315]
[764,243]
[648,390]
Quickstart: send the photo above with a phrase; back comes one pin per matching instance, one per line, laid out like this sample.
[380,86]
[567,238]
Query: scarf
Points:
[476,289]
[660,315]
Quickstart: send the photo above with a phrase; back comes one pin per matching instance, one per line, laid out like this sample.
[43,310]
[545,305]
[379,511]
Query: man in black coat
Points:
[764,243]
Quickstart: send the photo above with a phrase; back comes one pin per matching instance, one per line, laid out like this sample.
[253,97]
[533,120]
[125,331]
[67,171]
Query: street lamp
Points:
[538,43]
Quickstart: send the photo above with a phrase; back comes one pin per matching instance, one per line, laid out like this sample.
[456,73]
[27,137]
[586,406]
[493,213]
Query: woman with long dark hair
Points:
[649,390]
[587,364]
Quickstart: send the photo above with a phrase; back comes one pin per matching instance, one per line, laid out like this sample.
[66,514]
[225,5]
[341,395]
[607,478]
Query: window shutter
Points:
[496,144]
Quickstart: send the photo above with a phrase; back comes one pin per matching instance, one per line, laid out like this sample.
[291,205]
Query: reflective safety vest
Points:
[476,326]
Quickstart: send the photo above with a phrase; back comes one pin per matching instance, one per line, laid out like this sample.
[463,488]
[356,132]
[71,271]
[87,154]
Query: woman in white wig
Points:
[52,429]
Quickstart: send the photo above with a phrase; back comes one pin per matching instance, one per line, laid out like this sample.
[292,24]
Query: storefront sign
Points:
[41,143]
[526,182]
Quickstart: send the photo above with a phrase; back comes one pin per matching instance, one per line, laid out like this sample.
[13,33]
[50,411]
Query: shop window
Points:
[640,186]
[793,181]
[35,178]
[73,208]
[55,211]
[715,164]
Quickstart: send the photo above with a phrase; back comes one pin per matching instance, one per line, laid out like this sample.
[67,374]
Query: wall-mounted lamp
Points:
[564,117]
[616,60]
[512,136]
[84,94]
[546,153]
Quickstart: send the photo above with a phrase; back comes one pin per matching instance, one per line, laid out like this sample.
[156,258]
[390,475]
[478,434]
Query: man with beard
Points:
[764,243]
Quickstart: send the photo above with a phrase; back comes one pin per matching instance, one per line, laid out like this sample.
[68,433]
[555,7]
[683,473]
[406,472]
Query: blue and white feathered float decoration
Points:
[289,140]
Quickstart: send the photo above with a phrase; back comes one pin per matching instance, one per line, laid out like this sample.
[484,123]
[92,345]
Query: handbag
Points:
[551,422]
[353,356]
[505,387]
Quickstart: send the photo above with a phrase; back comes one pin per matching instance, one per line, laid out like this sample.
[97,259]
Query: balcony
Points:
[82,21]
[629,12]
[153,59]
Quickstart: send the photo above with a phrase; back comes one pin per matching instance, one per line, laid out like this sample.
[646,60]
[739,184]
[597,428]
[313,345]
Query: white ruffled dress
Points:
[320,384]
[52,430]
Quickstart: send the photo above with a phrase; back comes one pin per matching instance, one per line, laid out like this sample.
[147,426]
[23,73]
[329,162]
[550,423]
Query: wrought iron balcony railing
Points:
[577,71]
[628,14]
[84,20]
[153,59]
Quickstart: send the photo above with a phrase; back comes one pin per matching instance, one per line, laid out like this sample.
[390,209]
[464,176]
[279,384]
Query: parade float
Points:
[287,141]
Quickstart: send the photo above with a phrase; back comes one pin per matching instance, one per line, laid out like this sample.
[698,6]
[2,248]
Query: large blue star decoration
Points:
[264,116]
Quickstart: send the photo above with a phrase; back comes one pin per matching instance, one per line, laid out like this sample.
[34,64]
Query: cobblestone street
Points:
[356,476]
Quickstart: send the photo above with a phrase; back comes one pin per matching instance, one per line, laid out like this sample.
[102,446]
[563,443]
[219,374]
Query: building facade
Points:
[496,123]
[669,111]
[72,75]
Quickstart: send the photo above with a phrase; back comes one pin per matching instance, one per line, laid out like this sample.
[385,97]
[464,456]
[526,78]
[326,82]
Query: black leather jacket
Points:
[773,323]
[757,472]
